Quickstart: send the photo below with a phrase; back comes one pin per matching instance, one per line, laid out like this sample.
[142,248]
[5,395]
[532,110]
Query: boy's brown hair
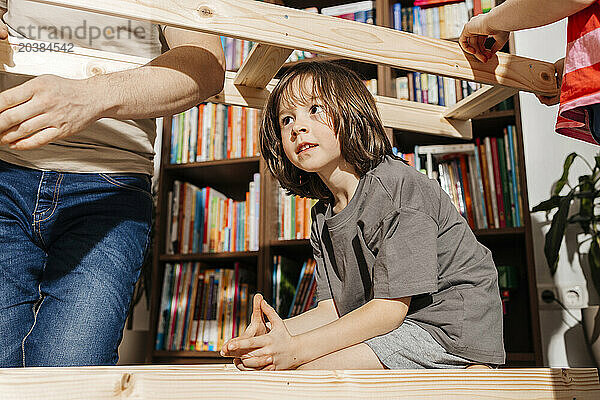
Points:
[352,113]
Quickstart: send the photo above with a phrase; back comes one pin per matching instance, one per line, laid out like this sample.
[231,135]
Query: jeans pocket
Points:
[136,182]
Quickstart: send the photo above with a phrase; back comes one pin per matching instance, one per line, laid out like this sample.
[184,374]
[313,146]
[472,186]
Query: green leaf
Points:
[548,205]
[586,202]
[594,260]
[556,233]
[565,175]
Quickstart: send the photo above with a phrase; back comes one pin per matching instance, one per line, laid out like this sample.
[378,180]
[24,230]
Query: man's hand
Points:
[474,34]
[276,350]
[559,67]
[46,109]
[3,28]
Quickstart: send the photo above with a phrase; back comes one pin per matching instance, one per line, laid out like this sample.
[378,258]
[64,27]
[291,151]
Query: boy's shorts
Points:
[411,347]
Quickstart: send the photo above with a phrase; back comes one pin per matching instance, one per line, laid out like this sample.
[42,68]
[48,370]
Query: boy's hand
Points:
[256,327]
[276,350]
[559,67]
[474,34]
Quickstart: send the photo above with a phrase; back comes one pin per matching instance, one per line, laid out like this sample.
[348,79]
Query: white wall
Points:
[563,340]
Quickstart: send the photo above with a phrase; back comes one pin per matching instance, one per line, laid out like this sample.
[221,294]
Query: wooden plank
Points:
[74,62]
[419,117]
[479,101]
[290,28]
[83,63]
[261,66]
[223,382]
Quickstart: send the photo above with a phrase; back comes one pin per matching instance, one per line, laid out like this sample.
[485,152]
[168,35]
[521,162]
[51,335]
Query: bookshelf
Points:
[231,176]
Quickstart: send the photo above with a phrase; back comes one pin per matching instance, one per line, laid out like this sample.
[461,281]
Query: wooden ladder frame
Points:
[278,30]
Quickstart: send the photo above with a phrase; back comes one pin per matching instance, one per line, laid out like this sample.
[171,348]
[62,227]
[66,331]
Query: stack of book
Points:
[371,84]
[432,89]
[200,308]
[293,299]
[482,178]
[443,22]
[236,52]
[214,132]
[204,220]
[360,11]
[294,216]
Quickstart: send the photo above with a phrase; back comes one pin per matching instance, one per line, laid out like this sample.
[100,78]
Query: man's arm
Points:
[48,108]
[513,15]
[190,72]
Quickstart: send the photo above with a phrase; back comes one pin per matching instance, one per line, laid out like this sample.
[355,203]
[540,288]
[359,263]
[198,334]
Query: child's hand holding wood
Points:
[275,350]
[256,327]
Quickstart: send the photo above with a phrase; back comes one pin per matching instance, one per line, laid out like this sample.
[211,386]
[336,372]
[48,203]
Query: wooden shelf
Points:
[290,243]
[496,114]
[364,70]
[225,256]
[227,162]
[509,246]
[229,176]
[500,231]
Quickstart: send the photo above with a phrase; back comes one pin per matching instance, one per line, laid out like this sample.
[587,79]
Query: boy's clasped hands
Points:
[265,346]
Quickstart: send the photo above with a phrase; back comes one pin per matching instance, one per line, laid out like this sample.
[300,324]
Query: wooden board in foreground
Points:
[224,382]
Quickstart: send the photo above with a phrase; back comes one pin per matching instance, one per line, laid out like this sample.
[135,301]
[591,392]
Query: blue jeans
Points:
[71,248]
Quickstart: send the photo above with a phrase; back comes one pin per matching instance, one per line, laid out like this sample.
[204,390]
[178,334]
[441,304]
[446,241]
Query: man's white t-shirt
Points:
[108,145]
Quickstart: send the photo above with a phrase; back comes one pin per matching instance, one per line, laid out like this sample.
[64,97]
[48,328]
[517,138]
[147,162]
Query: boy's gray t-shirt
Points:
[401,236]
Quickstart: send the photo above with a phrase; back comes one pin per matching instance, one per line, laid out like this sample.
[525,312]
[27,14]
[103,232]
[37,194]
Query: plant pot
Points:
[591,326]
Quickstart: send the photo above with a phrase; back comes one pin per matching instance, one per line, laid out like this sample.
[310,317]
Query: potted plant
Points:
[584,194]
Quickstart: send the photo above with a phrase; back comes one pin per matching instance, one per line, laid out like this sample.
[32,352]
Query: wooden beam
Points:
[291,28]
[419,117]
[80,63]
[478,102]
[218,382]
[71,62]
[261,66]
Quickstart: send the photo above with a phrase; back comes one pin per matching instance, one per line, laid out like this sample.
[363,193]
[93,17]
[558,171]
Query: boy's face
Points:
[308,139]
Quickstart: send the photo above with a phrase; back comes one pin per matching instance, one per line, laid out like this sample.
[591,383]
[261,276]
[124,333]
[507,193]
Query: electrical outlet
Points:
[544,300]
[573,296]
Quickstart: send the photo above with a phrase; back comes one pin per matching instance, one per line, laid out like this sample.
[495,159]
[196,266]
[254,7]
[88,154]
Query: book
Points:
[486,182]
[174,305]
[511,147]
[165,304]
[480,187]
[509,167]
[498,183]
[301,276]
[492,182]
[182,305]
[467,191]
[504,180]
[472,175]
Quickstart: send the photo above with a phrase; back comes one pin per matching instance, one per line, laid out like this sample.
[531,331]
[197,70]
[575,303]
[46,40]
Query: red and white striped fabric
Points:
[581,76]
